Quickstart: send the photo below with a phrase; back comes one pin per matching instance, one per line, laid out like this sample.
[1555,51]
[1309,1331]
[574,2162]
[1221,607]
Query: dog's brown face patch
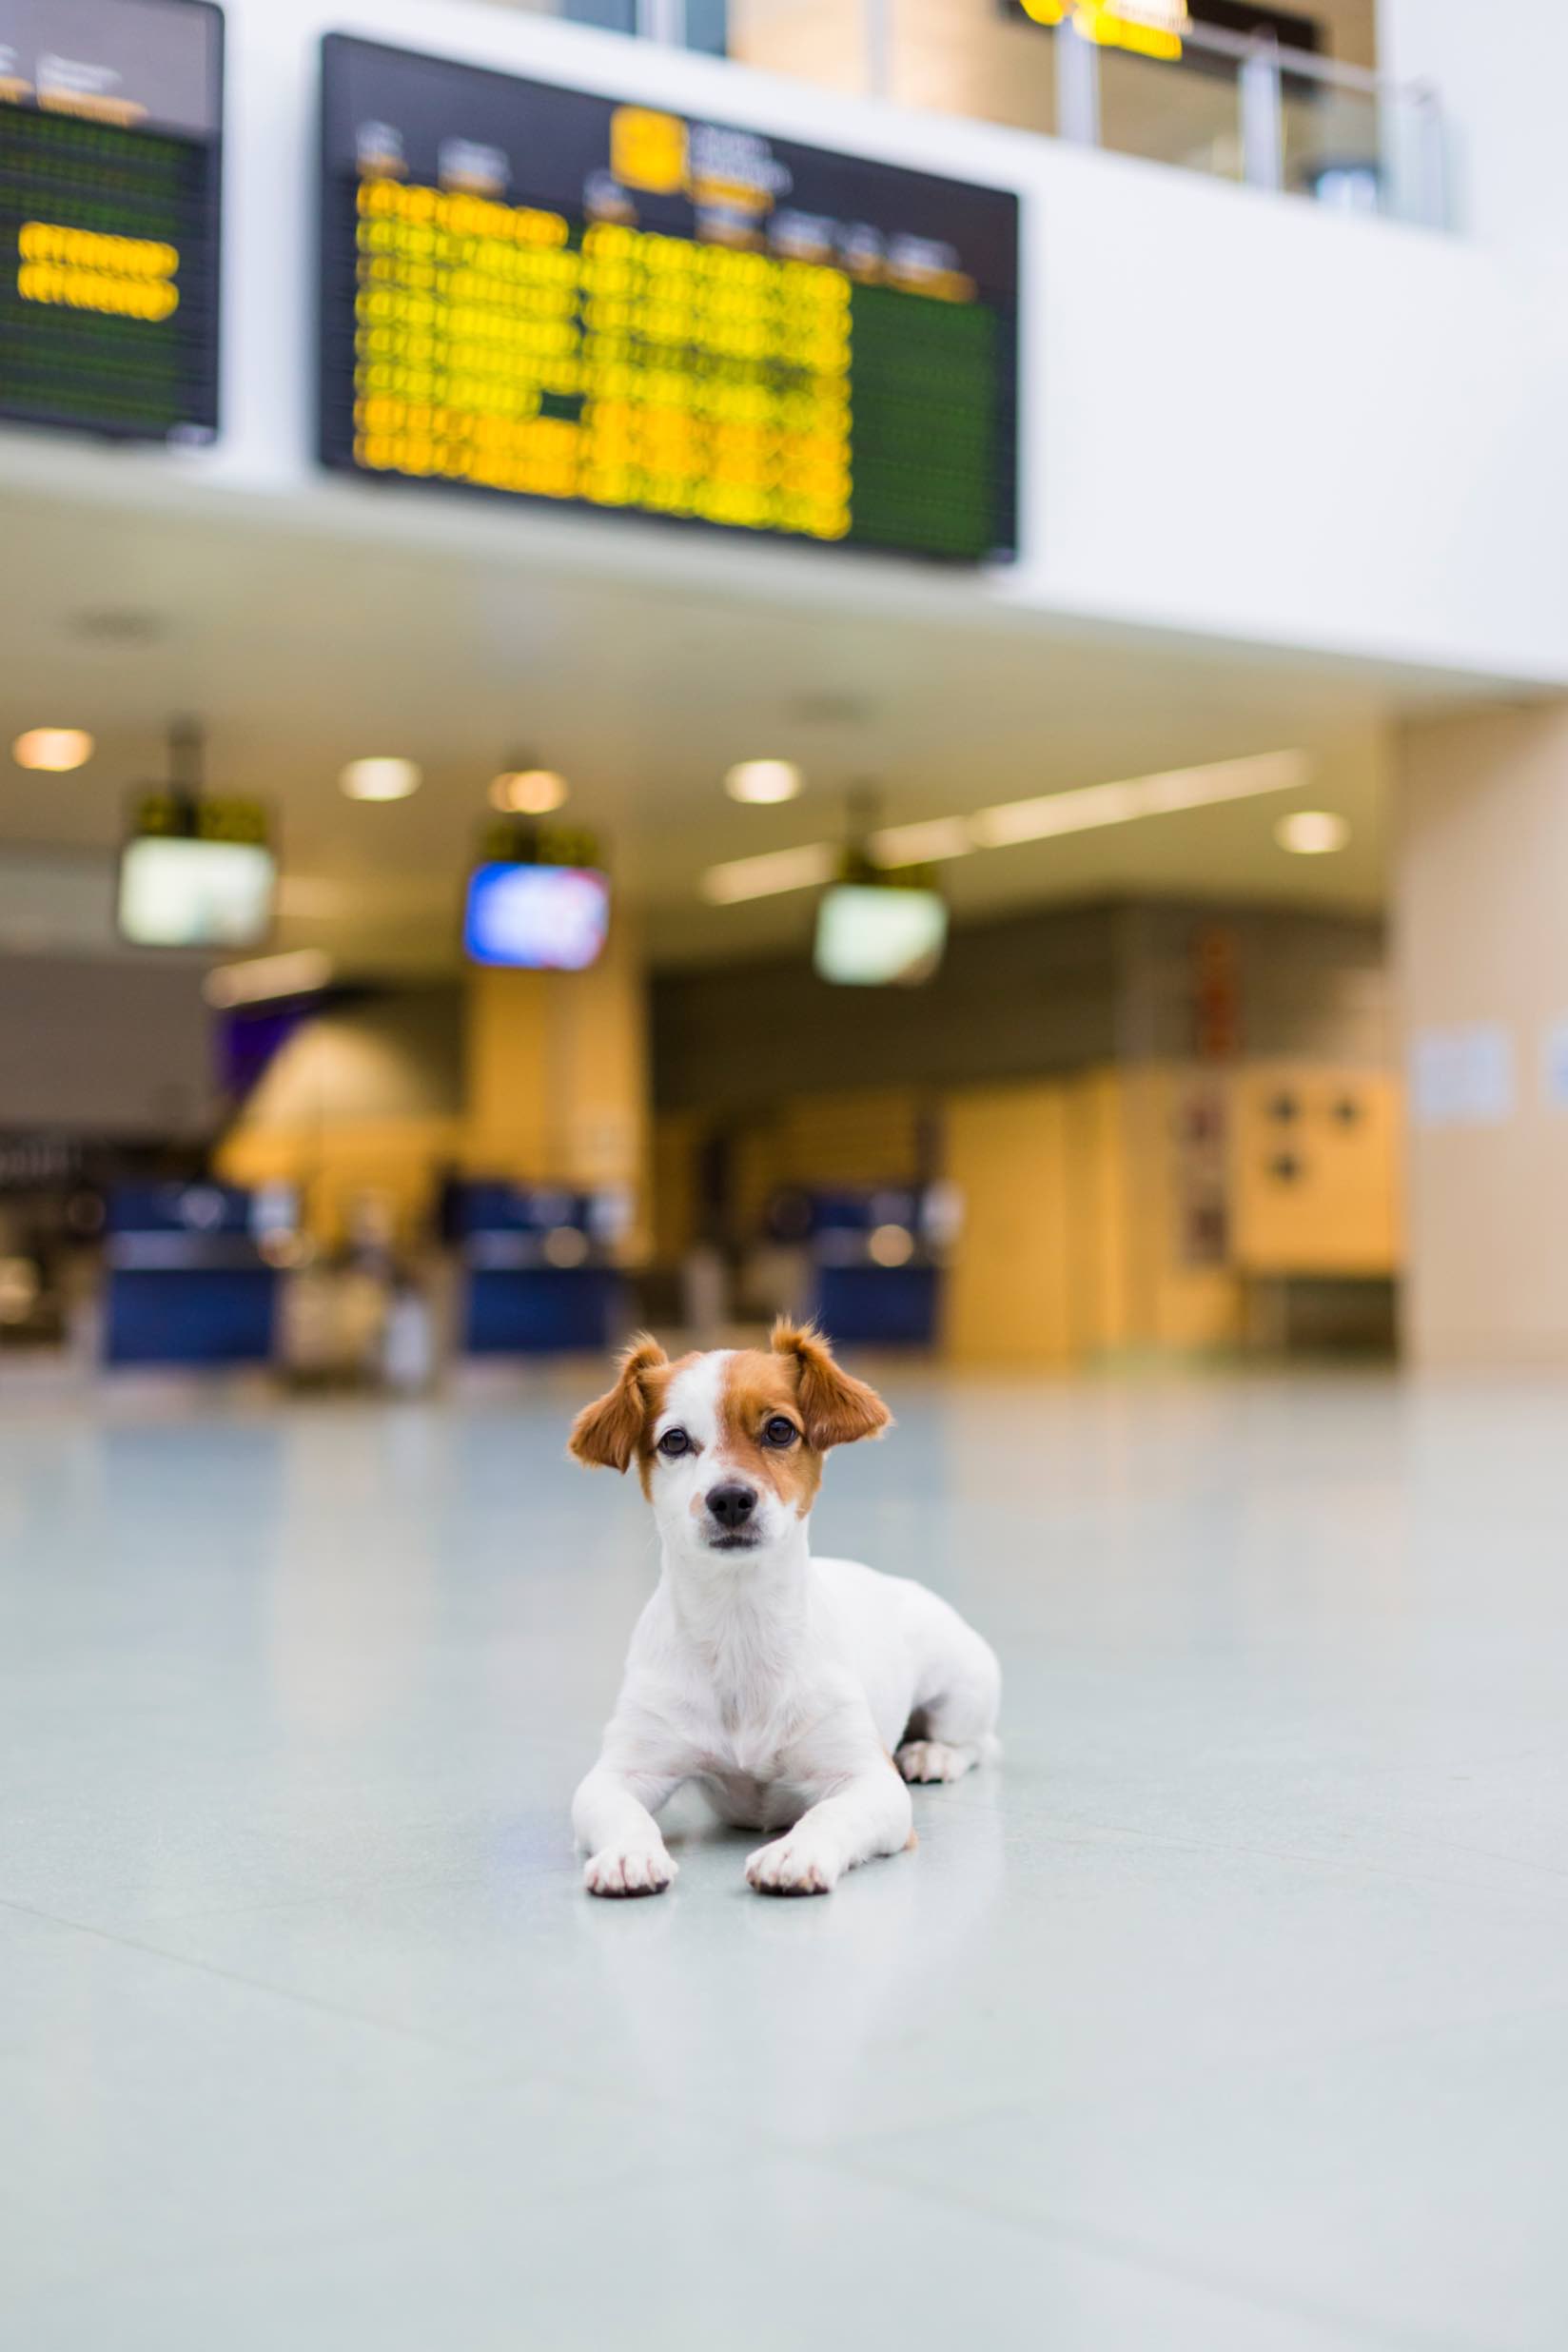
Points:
[761,1431]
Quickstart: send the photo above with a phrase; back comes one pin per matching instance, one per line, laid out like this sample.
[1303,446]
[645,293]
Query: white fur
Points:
[781,1683]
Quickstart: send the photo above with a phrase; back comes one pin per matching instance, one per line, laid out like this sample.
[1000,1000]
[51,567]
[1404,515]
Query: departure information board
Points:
[540,293]
[110,140]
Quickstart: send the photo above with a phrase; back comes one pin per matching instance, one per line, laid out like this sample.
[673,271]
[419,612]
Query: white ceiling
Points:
[301,652]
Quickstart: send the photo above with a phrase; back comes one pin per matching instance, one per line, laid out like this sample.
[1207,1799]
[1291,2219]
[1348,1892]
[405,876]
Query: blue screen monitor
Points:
[536,918]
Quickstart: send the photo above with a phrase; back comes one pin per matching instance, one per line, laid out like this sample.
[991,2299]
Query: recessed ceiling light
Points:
[763,782]
[1312,833]
[381,779]
[528,792]
[56,749]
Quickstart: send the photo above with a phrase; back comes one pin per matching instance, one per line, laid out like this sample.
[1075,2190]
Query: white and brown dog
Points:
[800,1693]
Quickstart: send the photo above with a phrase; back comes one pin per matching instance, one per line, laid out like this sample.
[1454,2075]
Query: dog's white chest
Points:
[753,1803]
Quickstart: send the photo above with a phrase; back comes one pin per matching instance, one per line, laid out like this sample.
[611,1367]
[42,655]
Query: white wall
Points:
[1244,417]
[1503,70]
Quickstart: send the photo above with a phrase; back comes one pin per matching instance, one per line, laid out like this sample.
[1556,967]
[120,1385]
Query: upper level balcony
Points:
[1259,402]
[1270,97]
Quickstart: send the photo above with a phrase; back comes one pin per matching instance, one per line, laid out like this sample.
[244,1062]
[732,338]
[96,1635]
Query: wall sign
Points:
[1462,1077]
[1554,1065]
[535,292]
[111,137]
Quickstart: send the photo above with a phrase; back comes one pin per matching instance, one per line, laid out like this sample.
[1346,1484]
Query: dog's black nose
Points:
[731,1506]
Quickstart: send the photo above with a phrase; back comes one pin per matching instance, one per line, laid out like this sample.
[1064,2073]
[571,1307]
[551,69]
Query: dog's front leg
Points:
[613,1815]
[869,1815]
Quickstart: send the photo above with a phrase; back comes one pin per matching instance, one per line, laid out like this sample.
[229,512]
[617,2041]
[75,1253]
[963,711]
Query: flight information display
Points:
[110,140]
[545,294]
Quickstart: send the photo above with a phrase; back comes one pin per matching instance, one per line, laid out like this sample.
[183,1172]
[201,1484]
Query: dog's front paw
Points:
[793,1866]
[629,1870]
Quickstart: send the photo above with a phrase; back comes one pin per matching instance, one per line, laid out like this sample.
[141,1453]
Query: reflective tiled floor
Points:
[1231,2015]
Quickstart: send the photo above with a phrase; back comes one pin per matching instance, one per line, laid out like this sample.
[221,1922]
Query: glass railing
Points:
[1231,106]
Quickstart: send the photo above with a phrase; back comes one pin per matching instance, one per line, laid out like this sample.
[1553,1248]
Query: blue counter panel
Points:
[540,1310]
[878,1306]
[196,1315]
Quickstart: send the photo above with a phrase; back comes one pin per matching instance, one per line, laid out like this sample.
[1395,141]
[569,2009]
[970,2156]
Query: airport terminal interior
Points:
[898,666]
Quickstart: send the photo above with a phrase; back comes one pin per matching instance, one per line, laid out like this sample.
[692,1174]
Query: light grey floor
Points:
[1231,2016]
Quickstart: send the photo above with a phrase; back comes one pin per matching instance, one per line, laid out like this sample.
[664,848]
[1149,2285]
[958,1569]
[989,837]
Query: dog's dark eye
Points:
[674,1443]
[778,1431]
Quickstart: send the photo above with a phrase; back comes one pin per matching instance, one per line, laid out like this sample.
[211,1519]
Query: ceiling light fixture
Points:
[381,779]
[262,977]
[761,877]
[1312,833]
[1083,810]
[922,844]
[54,750]
[763,783]
[528,792]
[1092,805]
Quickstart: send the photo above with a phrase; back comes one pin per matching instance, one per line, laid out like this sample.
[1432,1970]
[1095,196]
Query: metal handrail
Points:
[1306,63]
[1264,65]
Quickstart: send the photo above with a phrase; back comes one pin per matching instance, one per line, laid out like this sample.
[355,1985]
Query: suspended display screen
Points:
[543,294]
[879,938]
[536,918]
[111,135]
[194,893]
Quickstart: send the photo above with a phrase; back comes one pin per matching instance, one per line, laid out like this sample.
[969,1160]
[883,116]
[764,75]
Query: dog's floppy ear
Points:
[605,1433]
[835,1407]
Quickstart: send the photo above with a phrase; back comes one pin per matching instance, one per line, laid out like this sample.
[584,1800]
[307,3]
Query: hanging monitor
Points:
[190,894]
[197,871]
[110,163]
[536,918]
[873,937]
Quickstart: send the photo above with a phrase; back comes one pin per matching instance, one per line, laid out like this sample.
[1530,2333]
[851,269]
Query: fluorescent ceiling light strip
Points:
[298,973]
[1054,813]
[1083,810]
[923,844]
[762,877]
[1145,796]
[1229,779]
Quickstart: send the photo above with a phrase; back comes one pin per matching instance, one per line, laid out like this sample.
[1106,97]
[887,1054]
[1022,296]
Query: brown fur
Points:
[834,1407]
[757,1388]
[607,1433]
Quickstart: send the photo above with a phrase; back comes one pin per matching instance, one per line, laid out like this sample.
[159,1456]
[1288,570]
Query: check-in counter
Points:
[191,1273]
[872,1254]
[537,1268]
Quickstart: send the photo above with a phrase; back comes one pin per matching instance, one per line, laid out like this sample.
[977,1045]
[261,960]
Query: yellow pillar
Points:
[556,1075]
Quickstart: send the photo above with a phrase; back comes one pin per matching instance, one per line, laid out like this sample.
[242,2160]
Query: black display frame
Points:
[337,286]
[199,431]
